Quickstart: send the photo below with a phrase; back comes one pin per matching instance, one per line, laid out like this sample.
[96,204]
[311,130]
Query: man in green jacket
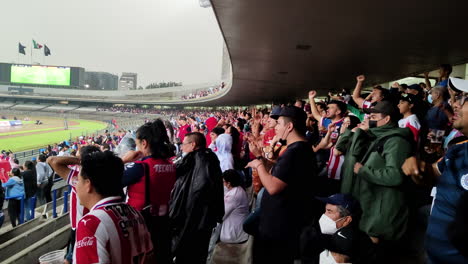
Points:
[379,148]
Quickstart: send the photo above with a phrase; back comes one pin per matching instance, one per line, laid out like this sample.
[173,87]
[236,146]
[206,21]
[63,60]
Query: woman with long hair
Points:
[149,177]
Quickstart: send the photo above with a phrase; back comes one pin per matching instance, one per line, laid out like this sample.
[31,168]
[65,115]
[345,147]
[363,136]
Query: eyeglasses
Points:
[183,144]
[460,99]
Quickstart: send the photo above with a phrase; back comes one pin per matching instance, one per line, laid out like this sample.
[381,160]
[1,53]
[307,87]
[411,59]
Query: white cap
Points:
[458,84]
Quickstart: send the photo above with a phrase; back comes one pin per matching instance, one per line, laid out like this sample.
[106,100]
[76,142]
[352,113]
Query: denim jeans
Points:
[28,208]
[2,218]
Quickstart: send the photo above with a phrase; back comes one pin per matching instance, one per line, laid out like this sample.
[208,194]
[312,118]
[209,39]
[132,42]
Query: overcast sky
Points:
[161,40]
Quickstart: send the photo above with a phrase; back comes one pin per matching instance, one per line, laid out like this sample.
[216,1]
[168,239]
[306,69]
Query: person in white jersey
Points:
[68,168]
[112,231]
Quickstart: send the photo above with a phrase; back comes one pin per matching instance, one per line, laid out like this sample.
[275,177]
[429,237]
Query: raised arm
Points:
[313,106]
[357,91]
[326,143]
[427,81]
[60,165]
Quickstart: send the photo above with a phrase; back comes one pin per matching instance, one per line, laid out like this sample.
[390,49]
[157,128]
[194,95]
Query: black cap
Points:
[275,112]
[382,107]
[411,98]
[416,87]
[345,200]
[295,113]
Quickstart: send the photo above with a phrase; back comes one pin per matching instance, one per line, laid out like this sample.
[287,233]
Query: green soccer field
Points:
[37,138]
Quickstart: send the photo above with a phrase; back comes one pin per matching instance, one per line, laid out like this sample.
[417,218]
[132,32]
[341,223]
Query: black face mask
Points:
[372,123]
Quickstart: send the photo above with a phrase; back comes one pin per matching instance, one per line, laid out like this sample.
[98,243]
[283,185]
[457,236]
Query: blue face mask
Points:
[429,98]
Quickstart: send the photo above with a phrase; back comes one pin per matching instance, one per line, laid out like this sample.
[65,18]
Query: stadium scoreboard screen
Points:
[38,74]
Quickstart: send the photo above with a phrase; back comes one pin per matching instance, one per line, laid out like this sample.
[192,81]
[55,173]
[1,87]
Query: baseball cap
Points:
[458,84]
[382,107]
[33,158]
[275,112]
[293,112]
[411,98]
[416,87]
[345,200]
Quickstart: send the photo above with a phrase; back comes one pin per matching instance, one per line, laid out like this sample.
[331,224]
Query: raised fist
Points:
[312,94]
[361,78]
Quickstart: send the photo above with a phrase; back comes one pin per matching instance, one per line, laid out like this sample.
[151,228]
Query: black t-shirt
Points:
[30,183]
[283,215]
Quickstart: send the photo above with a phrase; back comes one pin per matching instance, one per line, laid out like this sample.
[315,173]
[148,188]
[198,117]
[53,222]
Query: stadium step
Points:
[36,235]
[56,240]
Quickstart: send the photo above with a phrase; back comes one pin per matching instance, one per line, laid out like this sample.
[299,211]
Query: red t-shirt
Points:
[183,130]
[269,135]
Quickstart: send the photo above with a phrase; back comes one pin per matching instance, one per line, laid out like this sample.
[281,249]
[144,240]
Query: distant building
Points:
[101,81]
[128,81]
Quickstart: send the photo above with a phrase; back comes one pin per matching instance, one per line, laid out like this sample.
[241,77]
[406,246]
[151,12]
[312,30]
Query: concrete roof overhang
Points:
[281,49]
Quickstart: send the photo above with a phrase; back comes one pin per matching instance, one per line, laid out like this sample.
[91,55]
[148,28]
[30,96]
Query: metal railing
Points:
[33,201]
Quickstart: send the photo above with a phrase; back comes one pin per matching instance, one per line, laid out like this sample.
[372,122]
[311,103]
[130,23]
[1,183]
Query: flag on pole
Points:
[36,45]
[46,50]
[21,49]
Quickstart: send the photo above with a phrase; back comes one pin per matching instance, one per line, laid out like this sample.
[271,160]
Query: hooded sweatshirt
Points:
[224,147]
[14,187]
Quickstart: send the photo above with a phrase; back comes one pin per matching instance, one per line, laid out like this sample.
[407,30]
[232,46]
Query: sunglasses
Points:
[460,99]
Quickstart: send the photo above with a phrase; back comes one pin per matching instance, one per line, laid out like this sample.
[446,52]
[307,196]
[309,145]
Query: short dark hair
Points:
[86,150]
[447,68]
[300,127]
[218,130]
[322,105]
[42,158]
[384,92]
[29,165]
[232,177]
[198,138]
[241,123]
[341,105]
[105,171]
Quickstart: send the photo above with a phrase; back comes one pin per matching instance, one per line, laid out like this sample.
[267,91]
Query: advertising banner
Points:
[5,124]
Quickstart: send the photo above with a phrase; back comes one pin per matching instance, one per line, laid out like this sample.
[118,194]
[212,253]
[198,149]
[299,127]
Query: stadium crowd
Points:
[204,93]
[380,178]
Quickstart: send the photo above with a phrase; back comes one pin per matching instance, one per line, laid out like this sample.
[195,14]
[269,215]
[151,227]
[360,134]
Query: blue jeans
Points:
[2,218]
[28,208]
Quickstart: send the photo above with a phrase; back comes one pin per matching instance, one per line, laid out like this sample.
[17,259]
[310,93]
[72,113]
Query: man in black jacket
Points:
[197,201]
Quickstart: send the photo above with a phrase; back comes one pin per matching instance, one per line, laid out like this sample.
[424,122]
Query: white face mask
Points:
[327,258]
[429,98]
[327,225]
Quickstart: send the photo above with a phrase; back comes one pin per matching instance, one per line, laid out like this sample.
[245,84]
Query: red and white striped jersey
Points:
[334,165]
[112,232]
[366,104]
[76,209]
